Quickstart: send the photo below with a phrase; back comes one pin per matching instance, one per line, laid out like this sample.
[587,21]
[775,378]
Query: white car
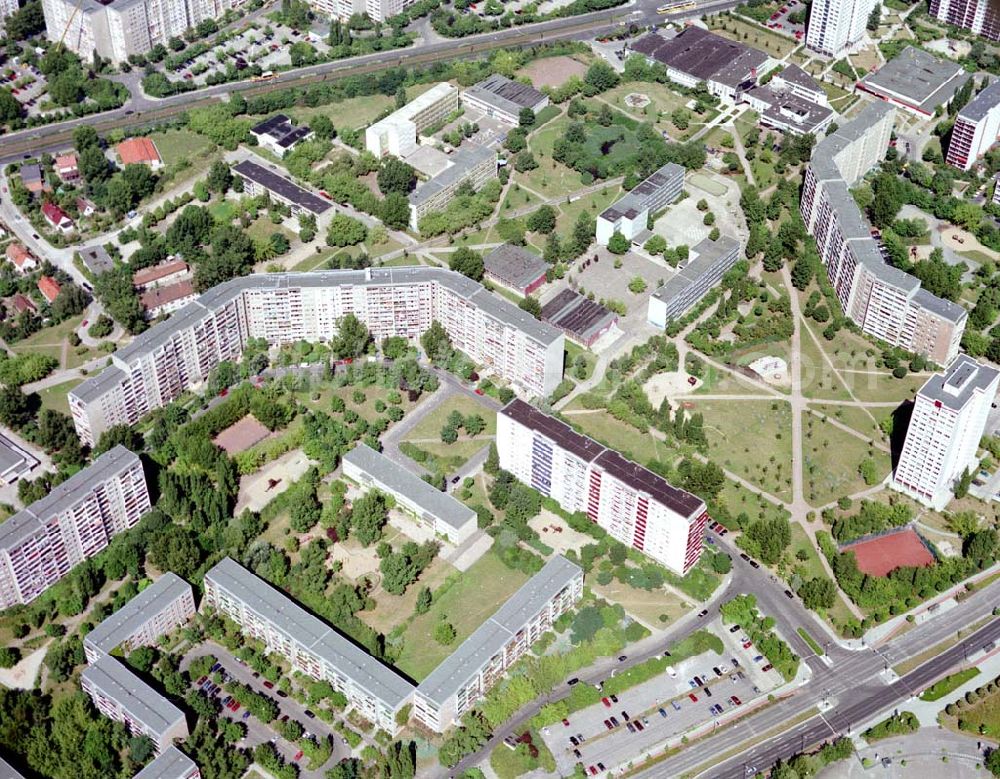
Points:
[671,672]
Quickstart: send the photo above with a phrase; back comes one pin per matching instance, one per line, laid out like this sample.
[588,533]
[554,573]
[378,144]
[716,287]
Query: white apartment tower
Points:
[179,354]
[980,16]
[634,505]
[41,543]
[836,25]
[977,127]
[948,420]
[397,133]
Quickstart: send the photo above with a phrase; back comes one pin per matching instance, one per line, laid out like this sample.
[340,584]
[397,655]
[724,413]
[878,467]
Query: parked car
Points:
[734,629]
[708,692]
[676,705]
[663,711]
[693,697]
[630,726]
[269,684]
[607,724]
[606,702]
[639,726]
[767,667]
[735,701]
[625,715]
[573,741]
[702,613]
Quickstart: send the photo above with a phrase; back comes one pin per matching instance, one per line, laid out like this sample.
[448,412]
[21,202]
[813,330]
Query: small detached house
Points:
[22,303]
[56,217]
[139,151]
[85,207]
[33,179]
[66,167]
[21,258]
[49,287]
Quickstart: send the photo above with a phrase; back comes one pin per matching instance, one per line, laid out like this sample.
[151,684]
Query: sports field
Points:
[879,556]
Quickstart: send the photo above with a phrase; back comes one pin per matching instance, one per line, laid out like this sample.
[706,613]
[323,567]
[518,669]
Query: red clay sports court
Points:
[879,556]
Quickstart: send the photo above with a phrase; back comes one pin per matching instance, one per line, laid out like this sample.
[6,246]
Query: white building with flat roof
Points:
[314,648]
[634,505]
[948,420]
[436,510]
[42,543]
[466,675]
[122,696]
[164,605]
[976,128]
[178,354]
[629,214]
[834,26]
[709,262]
[171,764]
[397,133]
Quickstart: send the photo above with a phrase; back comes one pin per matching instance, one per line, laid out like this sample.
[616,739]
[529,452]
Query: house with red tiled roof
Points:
[85,207]
[21,258]
[49,287]
[66,167]
[22,303]
[139,151]
[56,217]
[169,272]
[166,300]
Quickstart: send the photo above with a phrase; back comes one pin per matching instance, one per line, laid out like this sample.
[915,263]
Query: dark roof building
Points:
[259,180]
[279,134]
[582,320]
[500,97]
[515,268]
[916,81]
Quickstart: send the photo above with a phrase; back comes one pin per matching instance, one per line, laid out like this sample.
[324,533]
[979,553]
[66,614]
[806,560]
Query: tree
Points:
[15,408]
[424,600]
[818,593]
[542,221]
[219,178]
[526,117]
[352,337]
[444,633]
[173,549]
[436,343]
[10,109]
[618,243]
[601,76]
[467,262]
[395,210]
[369,514]
[531,305]
[888,198]
[9,656]
[874,18]
[396,176]
[345,231]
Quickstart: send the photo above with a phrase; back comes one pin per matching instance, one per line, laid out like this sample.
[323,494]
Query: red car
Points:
[606,702]
[693,697]
[269,685]
[479,391]
[565,722]
[747,644]
[298,756]
[736,701]
[767,667]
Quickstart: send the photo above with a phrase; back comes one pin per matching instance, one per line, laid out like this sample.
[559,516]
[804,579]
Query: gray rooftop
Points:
[505,94]
[793,74]
[918,79]
[124,622]
[468,156]
[149,341]
[142,702]
[362,669]
[31,519]
[96,258]
[635,200]
[7,771]
[515,265]
[458,668]
[281,185]
[786,107]
[403,481]
[704,55]
[171,764]
[707,254]
[977,108]
[956,386]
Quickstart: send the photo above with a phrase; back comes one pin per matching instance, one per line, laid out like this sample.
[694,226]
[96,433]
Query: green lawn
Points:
[429,428]
[175,145]
[448,458]
[856,418]
[593,203]
[517,198]
[751,438]
[601,426]
[572,351]
[751,34]
[355,112]
[941,688]
[52,341]
[662,99]
[466,604]
[55,397]
[739,499]
[831,460]
[223,211]
[263,228]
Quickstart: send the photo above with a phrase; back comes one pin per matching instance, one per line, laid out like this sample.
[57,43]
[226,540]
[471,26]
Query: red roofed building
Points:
[139,151]
[56,217]
[158,275]
[85,207]
[66,167]
[49,287]
[166,300]
[23,303]
[21,258]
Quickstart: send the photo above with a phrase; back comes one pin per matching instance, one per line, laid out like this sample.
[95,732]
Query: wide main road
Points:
[142,110]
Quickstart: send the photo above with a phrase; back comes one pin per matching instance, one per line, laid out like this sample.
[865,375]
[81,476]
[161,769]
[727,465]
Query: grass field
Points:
[753,439]
[662,99]
[429,428]
[701,181]
[985,712]
[738,499]
[941,688]
[572,351]
[263,228]
[550,178]
[392,610]
[355,112]
[175,145]
[52,341]
[55,397]
[812,567]
[223,211]
[474,596]
[855,418]
[595,202]
[831,460]
[645,605]
[751,34]
[603,427]
[450,457]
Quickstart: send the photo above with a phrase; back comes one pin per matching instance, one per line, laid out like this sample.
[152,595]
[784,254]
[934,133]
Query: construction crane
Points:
[72,16]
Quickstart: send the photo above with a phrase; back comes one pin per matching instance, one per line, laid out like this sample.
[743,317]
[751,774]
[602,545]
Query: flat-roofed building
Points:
[515,268]
[15,460]
[581,319]
[96,259]
[785,111]
[466,675]
[434,509]
[40,544]
[164,605]
[696,55]
[7,771]
[795,80]
[946,426]
[709,262]
[278,135]
[180,353]
[916,81]
[171,764]
[122,696]
[883,301]
[630,213]
[261,180]
[976,128]
[160,301]
[312,647]
[397,133]
[634,505]
[472,164]
[504,98]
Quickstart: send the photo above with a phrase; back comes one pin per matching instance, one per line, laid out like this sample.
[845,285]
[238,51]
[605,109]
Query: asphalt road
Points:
[142,110]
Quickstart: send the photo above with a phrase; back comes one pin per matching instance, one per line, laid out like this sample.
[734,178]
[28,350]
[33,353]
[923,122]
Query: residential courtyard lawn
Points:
[812,567]
[223,211]
[884,387]
[601,426]
[429,428]
[176,145]
[819,380]
[663,100]
[750,34]
[593,203]
[263,228]
[466,603]
[355,112]
[753,439]
[55,397]
[738,499]
[648,606]
[448,458]
[857,418]
[831,458]
[52,341]
[517,197]
[392,610]
[572,351]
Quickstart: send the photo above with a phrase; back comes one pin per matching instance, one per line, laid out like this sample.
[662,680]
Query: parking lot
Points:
[779,20]
[665,707]
[257,731]
[26,83]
